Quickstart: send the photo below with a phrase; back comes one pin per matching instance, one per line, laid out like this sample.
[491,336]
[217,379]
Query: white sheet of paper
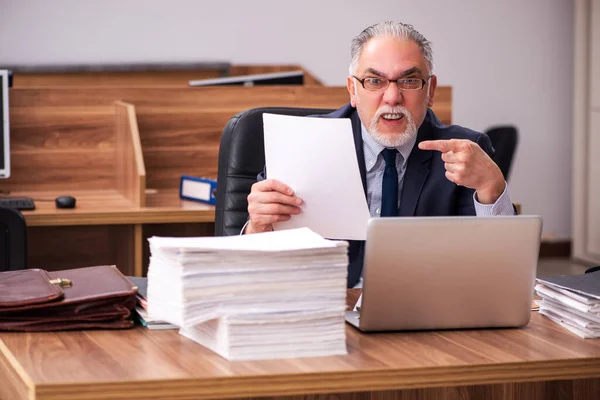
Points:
[317,159]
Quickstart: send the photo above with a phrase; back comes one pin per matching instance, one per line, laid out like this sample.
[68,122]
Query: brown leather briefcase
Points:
[91,297]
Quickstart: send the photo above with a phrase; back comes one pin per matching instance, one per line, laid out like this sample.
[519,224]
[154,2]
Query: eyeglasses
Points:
[373,83]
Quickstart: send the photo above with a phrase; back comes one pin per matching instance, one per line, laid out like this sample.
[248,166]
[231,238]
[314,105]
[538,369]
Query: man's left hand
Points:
[468,165]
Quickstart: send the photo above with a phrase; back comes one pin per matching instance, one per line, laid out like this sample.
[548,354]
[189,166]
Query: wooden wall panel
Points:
[214,99]
[165,166]
[181,129]
[64,138]
[60,170]
[54,146]
[199,99]
[61,128]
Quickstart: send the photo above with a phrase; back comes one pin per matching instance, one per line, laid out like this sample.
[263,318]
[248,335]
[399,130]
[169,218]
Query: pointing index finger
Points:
[443,146]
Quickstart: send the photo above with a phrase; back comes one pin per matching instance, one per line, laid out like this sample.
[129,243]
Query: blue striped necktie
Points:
[389,192]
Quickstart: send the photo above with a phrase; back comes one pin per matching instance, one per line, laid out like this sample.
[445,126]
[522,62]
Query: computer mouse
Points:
[65,202]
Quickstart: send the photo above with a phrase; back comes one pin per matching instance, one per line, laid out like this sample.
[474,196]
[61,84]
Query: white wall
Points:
[508,61]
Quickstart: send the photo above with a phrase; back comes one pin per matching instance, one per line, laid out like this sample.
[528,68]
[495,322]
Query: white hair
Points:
[389,28]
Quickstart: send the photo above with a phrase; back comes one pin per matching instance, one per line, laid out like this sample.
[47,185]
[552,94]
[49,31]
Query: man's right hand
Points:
[270,201]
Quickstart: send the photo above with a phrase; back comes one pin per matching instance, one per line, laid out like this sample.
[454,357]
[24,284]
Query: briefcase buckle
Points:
[62,282]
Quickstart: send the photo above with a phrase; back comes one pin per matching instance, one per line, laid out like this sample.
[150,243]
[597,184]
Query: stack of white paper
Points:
[572,301]
[269,295]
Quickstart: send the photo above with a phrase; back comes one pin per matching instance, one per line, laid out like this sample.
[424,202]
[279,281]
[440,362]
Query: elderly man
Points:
[411,164]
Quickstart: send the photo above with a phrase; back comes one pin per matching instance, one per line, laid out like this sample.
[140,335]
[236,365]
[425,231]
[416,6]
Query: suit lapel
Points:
[416,173]
[358,144]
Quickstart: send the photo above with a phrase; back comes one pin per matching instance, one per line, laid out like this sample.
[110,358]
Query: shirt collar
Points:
[372,149]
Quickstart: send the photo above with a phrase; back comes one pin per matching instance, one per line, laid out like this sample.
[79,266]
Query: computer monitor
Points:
[275,78]
[4,125]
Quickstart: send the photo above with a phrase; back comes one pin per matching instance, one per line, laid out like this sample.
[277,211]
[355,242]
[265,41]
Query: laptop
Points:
[424,273]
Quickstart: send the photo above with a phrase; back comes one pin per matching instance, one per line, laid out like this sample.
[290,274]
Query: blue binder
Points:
[198,189]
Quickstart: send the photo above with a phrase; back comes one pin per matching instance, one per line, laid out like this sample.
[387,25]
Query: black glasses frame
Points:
[362,82]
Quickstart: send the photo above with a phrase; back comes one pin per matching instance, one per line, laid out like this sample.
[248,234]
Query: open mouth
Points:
[392,117]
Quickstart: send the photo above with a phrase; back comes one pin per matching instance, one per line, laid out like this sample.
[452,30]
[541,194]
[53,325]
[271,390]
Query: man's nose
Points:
[393,95]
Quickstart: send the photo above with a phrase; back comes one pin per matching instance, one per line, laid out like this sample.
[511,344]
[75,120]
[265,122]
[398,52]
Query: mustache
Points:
[391,110]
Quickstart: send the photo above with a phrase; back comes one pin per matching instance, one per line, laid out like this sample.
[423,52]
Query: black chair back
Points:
[504,139]
[13,240]
[241,159]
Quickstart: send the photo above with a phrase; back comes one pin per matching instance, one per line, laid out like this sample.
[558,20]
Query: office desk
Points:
[540,361]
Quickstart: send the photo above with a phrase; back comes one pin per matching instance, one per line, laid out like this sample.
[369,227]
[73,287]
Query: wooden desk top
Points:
[140,363]
[109,207]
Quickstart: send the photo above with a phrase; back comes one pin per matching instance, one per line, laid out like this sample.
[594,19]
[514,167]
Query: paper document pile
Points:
[573,301]
[269,295]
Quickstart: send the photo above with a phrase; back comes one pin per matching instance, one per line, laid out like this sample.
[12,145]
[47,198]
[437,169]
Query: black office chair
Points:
[13,240]
[241,159]
[505,140]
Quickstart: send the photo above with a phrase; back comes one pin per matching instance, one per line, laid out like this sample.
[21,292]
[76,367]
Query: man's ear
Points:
[352,90]
[432,87]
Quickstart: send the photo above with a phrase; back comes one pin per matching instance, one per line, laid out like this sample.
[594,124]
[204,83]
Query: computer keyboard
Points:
[19,203]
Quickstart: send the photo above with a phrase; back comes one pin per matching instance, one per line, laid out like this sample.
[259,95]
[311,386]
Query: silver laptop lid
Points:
[449,272]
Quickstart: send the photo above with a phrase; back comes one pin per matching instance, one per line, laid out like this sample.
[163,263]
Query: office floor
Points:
[560,266]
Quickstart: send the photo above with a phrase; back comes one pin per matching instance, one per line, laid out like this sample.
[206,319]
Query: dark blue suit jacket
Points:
[426,190]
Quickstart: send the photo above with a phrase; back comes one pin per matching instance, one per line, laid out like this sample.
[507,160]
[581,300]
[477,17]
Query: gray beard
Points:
[393,139]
